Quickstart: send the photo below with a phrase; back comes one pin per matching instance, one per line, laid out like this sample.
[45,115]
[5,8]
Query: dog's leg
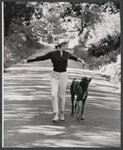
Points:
[72,101]
[77,109]
[76,106]
[83,105]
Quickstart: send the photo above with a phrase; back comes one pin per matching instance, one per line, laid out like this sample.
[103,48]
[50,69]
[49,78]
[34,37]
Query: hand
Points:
[23,61]
[83,63]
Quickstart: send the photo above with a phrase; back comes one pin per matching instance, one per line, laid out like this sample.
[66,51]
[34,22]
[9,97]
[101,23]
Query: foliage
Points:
[49,22]
[86,14]
[26,34]
[20,40]
[18,11]
[53,16]
[16,48]
[105,46]
[71,15]
[91,62]
[104,38]
[109,27]
[113,69]
[98,25]
[102,41]
[50,38]
[94,62]
[110,7]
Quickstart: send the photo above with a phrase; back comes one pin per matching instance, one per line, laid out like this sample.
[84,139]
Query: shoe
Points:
[82,118]
[56,117]
[62,116]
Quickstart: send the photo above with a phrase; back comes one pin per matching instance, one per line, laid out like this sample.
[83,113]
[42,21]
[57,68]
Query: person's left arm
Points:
[73,57]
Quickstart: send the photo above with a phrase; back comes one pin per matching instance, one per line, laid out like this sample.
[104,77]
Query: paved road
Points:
[28,109]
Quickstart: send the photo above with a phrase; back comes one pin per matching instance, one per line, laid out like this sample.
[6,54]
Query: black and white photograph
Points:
[61,64]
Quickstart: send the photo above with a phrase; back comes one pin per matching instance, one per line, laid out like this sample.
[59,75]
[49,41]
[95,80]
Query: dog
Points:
[80,89]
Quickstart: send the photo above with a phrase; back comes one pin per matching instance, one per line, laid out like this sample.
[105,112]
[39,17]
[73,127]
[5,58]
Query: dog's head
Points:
[85,82]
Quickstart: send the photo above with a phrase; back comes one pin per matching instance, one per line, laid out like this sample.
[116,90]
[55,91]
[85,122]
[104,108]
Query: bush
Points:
[16,48]
[64,34]
[78,51]
[81,53]
[55,39]
[94,62]
[58,30]
[49,38]
[105,46]
[113,56]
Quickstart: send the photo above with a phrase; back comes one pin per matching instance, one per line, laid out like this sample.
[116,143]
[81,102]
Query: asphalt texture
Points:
[28,113]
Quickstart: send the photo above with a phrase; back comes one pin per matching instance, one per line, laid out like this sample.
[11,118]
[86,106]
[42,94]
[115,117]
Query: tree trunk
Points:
[7,19]
[83,25]
[7,27]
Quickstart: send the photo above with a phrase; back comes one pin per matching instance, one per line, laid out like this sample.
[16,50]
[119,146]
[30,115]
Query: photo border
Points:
[1,58]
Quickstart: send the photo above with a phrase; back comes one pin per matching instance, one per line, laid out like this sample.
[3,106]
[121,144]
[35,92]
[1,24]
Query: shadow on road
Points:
[28,113]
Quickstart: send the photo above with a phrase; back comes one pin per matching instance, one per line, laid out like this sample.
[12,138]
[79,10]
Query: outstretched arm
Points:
[39,58]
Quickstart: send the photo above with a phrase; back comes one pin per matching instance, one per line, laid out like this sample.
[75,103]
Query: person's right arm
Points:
[39,58]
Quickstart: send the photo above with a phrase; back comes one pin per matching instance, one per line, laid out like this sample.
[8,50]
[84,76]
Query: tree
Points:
[110,7]
[105,38]
[18,12]
[50,19]
[87,14]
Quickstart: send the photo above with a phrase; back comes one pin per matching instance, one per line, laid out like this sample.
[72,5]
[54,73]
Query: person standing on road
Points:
[59,77]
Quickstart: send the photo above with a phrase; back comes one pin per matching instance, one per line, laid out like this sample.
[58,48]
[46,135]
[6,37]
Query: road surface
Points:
[28,110]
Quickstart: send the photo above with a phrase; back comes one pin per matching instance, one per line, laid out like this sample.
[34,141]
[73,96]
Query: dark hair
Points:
[59,45]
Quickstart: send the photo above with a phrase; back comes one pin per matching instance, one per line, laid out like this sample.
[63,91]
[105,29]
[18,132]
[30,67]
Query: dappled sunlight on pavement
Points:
[28,111]
[60,136]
